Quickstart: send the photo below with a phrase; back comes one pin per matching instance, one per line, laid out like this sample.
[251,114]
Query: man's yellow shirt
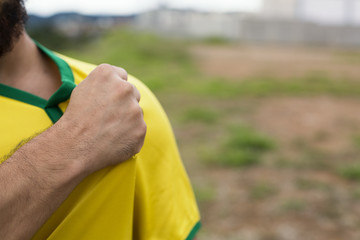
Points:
[148,197]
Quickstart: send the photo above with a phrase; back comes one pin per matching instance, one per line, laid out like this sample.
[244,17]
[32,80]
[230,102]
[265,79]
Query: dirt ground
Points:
[297,193]
[240,61]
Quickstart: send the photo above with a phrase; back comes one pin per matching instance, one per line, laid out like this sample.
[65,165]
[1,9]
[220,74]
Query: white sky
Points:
[49,7]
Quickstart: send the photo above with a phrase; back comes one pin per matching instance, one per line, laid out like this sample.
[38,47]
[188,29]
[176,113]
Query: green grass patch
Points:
[215,40]
[293,205]
[262,191]
[355,194]
[352,56]
[247,138]
[350,172]
[243,147]
[204,194]
[356,141]
[202,115]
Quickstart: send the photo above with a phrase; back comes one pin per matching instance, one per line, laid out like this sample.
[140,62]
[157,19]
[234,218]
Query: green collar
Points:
[62,94]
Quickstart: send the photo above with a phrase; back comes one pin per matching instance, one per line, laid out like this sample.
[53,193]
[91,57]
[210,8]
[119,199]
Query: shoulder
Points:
[160,173]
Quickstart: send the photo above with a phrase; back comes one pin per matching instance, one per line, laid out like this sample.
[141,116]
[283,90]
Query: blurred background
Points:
[264,98]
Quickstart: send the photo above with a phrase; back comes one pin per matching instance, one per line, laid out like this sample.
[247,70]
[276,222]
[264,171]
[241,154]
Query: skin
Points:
[38,177]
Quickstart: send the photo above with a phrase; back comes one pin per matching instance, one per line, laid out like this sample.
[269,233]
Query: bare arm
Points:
[31,188]
[102,126]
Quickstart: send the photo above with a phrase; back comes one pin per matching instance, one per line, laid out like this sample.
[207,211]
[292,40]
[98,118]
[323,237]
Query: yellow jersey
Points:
[146,198]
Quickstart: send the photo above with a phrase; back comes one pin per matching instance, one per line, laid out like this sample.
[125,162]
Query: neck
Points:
[27,69]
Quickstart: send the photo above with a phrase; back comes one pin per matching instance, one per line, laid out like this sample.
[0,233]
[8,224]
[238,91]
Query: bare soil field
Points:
[300,189]
[240,61]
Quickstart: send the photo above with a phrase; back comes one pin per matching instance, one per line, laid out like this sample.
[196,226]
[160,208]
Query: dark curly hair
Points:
[13,17]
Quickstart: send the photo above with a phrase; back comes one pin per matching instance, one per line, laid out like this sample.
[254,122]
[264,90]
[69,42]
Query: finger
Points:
[137,94]
[121,72]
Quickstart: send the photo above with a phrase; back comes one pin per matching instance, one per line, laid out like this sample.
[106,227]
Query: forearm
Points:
[34,181]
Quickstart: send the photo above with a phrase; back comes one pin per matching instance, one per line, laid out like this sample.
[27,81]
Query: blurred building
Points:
[190,23]
[331,12]
[279,9]
[279,22]
[75,25]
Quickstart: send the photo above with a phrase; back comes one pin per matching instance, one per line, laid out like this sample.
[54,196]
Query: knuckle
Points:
[137,94]
[134,111]
[104,68]
[117,87]
[124,73]
[138,111]
[120,89]
[144,129]
[127,88]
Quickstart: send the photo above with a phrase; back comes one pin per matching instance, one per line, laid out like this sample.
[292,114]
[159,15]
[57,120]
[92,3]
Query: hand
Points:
[103,122]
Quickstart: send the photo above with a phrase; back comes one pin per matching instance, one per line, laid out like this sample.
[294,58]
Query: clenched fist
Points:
[104,121]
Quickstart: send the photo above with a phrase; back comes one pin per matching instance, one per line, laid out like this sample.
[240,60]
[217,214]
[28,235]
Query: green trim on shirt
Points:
[62,94]
[22,96]
[54,113]
[193,232]
[67,79]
